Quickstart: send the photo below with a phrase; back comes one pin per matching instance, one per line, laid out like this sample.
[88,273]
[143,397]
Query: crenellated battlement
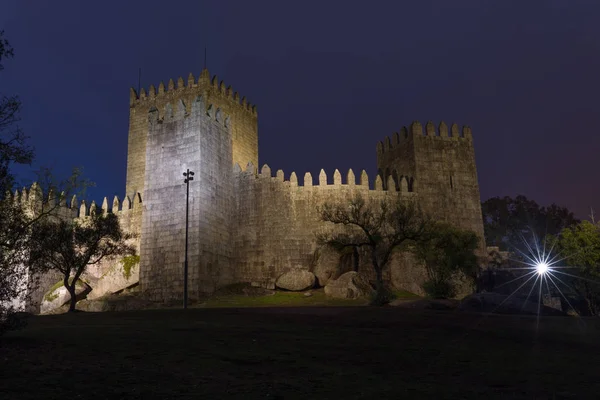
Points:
[198,107]
[416,129]
[33,199]
[400,184]
[173,91]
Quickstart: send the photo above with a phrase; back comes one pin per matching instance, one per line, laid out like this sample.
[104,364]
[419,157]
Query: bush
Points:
[381,297]
[12,321]
[439,289]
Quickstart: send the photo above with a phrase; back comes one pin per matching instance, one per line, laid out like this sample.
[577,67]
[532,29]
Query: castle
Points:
[249,225]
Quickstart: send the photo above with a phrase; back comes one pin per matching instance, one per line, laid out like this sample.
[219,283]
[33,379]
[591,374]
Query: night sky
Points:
[329,78]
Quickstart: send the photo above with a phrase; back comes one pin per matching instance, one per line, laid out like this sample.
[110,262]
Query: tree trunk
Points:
[378,270]
[73,301]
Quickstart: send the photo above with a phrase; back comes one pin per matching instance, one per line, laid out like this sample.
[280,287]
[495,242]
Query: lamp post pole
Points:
[189,176]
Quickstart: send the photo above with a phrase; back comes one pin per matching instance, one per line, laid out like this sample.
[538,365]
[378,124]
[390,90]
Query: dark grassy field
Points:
[301,353]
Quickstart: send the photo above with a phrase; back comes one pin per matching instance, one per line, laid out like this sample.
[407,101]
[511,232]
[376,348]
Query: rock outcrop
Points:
[327,266]
[296,280]
[58,296]
[350,285]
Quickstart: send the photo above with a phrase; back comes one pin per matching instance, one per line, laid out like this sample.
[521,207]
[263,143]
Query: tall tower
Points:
[243,120]
[440,166]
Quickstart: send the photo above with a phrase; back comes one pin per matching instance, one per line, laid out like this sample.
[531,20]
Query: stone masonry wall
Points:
[98,276]
[202,142]
[444,170]
[243,120]
[277,220]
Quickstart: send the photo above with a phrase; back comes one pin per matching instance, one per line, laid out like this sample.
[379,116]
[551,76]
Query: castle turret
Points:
[440,166]
[243,120]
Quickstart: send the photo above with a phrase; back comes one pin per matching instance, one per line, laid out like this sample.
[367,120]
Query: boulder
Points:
[327,265]
[58,296]
[296,280]
[350,285]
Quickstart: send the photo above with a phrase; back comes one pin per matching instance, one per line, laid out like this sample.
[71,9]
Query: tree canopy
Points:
[446,253]
[70,246]
[13,142]
[507,221]
[579,247]
[380,227]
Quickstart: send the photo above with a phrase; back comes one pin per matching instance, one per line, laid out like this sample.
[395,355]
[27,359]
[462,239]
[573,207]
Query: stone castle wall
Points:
[200,140]
[443,170]
[246,226]
[243,120]
[108,275]
[276,220]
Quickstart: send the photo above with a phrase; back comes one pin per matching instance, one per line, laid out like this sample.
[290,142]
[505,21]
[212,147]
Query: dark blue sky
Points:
[329,78]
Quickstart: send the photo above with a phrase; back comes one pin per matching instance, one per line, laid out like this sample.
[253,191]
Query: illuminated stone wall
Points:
[243,120]
[108,275]
[442,164]
[200,140]
[277,219]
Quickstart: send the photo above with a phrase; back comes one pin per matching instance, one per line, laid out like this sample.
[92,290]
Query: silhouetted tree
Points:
[13,142]
[508,221]
[13,220]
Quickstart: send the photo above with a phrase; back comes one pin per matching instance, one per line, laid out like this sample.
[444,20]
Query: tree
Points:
[380,228]
[13,142]
[447,253]
[508,221]
[69,246]
[579,245]
[13,220]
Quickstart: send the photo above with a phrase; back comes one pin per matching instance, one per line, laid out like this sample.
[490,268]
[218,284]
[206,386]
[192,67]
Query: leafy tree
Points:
[508,221]
[379,228]
[13,221]
[580,246]
[69,246]
[447,252]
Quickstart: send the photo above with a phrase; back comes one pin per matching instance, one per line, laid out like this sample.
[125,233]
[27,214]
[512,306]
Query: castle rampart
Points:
[442,162]
[247,225]
[243,115]
[104,277]
[277,219]
[200,140]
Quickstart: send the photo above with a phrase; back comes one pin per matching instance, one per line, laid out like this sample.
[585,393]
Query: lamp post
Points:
[189,176]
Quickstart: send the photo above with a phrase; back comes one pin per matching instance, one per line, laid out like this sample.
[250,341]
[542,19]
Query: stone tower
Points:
[441,164]
[243,120]
[203,126]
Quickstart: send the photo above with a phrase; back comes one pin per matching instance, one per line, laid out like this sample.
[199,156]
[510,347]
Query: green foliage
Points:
[507,221]
[69,246]
[447,253]
[280,299]
[129,262]
[580,246]
[439,289]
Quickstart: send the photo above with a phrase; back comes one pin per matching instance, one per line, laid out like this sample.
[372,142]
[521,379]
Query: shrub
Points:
[439,289]
[381,297]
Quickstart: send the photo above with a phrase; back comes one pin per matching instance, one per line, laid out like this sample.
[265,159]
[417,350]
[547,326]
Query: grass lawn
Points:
[301,353]
[295,299]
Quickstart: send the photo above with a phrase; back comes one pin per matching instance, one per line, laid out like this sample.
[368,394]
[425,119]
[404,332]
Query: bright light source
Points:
[541,268]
